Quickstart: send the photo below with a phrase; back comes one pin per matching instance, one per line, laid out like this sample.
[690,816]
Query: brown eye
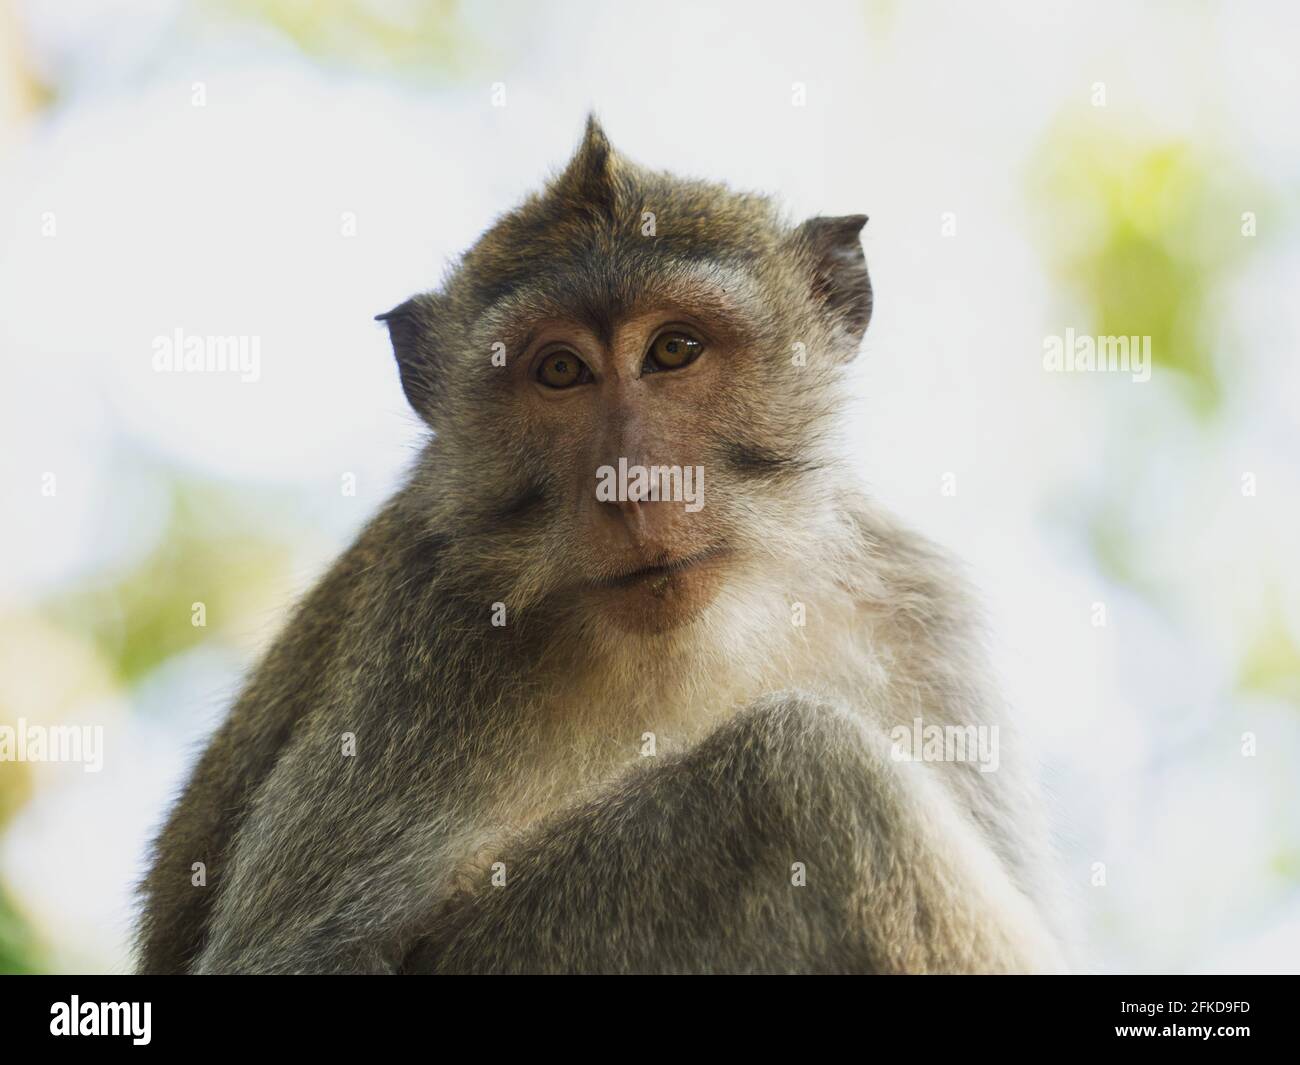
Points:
[673,350]
[562,369]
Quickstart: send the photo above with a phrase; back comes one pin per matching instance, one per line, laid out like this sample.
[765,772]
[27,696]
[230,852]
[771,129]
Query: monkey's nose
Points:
[648,523]
[633,514]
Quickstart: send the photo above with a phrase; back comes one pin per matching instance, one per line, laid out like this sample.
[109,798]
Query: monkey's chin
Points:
[660,601]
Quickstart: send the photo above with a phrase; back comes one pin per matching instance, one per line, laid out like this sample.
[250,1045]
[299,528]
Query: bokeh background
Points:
[287,169]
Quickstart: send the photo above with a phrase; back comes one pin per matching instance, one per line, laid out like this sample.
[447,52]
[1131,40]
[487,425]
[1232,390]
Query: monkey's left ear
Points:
[840,282]
[415,357]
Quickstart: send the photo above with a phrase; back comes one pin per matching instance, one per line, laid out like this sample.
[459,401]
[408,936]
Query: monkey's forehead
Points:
[599,294]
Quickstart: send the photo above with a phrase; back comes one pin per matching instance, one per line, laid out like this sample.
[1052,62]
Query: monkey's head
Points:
[630,380]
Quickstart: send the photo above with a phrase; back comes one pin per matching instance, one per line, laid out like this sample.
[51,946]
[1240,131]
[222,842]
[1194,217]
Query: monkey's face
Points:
[632,421]
[630,379]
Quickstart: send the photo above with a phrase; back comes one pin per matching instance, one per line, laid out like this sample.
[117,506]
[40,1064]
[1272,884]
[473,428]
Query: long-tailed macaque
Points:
[629,676]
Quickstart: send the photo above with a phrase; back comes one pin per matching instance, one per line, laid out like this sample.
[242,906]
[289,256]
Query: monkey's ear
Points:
[840,281]
[588,180]
[412,345]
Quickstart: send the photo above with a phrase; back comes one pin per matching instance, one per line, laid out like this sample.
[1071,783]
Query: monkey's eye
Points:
[562,369]
[672,351]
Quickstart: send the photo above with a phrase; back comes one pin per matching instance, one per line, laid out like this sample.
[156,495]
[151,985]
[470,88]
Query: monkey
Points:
[523,727]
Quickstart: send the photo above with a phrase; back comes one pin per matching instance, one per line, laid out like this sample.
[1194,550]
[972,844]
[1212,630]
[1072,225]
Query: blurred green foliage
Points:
[210,552]
[217,547]
[1271,665]
[427,37]
[20,954]
[1145,236]
[19,950]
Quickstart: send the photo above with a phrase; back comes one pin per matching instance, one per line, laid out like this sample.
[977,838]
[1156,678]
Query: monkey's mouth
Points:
[662,569]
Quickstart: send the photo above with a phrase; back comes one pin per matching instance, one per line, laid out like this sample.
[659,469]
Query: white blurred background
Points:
[285,170]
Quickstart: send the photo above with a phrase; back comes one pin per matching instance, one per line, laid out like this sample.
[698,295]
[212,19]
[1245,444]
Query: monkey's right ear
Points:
[840,282]
[412,346]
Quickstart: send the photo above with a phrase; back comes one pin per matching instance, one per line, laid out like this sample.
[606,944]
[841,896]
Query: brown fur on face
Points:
[605,259]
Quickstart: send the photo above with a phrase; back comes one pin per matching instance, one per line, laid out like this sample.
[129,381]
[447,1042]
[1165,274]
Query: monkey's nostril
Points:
[633,515]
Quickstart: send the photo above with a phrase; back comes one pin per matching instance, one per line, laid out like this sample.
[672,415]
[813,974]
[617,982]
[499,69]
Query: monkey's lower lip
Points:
[663,569]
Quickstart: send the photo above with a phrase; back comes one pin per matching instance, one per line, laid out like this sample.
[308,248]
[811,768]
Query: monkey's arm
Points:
[692,865]
[238,758]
